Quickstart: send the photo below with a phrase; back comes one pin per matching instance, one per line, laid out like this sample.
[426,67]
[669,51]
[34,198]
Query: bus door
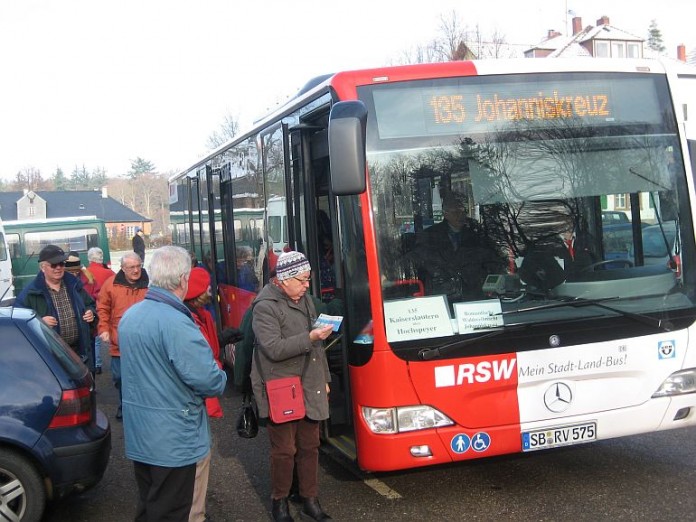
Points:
[230,314]
[314,230]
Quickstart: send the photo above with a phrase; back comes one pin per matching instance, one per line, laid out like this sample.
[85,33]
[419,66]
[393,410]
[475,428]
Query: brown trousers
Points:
[294,443]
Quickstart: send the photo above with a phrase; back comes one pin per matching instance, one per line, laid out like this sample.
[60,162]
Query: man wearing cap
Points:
[139,243]
[61,302]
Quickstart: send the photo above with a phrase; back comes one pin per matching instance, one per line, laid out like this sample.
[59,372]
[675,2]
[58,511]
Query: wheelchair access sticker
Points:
[666,350]
[481,441]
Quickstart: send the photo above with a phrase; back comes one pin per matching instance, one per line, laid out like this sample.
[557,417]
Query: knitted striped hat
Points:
[290,264]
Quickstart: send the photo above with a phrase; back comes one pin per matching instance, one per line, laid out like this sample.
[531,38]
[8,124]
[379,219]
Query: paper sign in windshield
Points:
[419,318]
[477,316]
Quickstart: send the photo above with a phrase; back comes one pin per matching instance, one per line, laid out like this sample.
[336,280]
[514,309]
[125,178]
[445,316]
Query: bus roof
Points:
[442,70]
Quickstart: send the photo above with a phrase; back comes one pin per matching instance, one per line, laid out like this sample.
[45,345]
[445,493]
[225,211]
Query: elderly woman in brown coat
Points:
[287,345]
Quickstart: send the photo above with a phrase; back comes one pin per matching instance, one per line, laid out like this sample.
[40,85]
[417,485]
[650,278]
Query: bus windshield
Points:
[509,200]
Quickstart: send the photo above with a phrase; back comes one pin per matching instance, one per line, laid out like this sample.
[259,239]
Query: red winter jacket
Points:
[206,323]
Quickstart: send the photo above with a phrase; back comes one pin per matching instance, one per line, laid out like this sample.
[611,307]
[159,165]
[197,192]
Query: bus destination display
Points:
[474,107]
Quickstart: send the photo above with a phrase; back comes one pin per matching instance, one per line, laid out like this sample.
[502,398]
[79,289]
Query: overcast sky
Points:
[99,83]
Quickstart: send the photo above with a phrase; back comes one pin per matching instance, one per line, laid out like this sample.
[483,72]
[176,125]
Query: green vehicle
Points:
[26,238]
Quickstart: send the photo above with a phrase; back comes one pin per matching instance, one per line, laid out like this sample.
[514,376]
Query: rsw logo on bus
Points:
[470,373]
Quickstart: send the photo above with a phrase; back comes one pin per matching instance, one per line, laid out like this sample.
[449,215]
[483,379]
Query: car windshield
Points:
[480,223]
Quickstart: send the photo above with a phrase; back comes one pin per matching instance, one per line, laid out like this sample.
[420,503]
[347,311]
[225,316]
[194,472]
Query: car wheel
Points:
[22,493]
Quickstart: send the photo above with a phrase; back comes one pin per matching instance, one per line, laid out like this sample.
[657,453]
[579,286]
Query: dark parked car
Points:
[613,217]
[53,439]
[618,244]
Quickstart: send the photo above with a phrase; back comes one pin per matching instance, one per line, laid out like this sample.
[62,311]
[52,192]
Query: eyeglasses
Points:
[131,268]
[57,265]
[303,281]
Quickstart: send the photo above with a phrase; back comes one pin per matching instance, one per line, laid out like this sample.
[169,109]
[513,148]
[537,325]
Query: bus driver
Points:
[454,257]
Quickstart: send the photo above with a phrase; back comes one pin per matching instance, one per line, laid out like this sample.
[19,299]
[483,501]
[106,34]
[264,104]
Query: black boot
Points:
[311,510]
[280,510]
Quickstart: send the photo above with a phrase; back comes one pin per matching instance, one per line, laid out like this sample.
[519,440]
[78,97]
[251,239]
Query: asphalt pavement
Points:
[238,488]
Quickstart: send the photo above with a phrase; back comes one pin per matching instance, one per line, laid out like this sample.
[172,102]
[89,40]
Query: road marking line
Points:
[381,488]
[350,465]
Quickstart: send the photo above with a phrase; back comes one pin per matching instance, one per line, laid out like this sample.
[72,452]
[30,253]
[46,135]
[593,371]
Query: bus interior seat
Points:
[540,271]
[408,242]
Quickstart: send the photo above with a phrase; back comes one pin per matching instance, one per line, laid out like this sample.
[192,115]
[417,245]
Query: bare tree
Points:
[452,35]
[29,178]
[418,54]
[148,195]
[497,45]
[228,129]
[123,190]
[457,42]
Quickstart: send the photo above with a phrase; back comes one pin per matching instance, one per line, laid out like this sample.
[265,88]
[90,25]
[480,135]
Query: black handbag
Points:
[248,422]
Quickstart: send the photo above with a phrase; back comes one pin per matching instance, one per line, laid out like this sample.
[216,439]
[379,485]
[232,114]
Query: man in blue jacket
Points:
[167,370]
[61,302]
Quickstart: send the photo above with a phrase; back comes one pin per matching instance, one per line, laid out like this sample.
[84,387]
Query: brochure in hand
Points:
[324,319]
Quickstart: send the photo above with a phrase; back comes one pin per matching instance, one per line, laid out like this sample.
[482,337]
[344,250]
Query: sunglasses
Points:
[56,265]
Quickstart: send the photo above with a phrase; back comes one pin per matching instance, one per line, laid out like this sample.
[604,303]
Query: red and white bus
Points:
[512,341]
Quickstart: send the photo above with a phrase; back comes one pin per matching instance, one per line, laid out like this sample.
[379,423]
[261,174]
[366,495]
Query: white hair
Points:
[95,255]
[130,255]
[167,265]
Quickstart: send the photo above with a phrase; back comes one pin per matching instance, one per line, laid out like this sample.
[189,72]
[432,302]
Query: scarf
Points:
[156,294]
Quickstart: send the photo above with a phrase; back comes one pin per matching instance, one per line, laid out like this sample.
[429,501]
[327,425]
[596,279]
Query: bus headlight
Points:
[380,420]
[404,418]
[683,381]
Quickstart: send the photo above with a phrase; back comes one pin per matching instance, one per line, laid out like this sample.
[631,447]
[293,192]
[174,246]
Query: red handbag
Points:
[285,395]
[285,399]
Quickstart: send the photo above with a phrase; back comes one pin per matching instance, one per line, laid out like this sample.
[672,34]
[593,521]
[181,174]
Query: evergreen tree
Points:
[99,178]
[80,178]
[140,166]
[60,182]
[655,38]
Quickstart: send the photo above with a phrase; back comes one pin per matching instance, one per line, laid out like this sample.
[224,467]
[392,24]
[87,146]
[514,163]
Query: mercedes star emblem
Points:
[558,397]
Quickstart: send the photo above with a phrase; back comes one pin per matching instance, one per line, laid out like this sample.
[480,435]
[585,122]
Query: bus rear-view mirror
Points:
[347,124]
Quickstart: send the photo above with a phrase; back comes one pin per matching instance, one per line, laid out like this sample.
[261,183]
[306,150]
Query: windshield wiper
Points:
[431,353]
[427,354]
[580,302]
